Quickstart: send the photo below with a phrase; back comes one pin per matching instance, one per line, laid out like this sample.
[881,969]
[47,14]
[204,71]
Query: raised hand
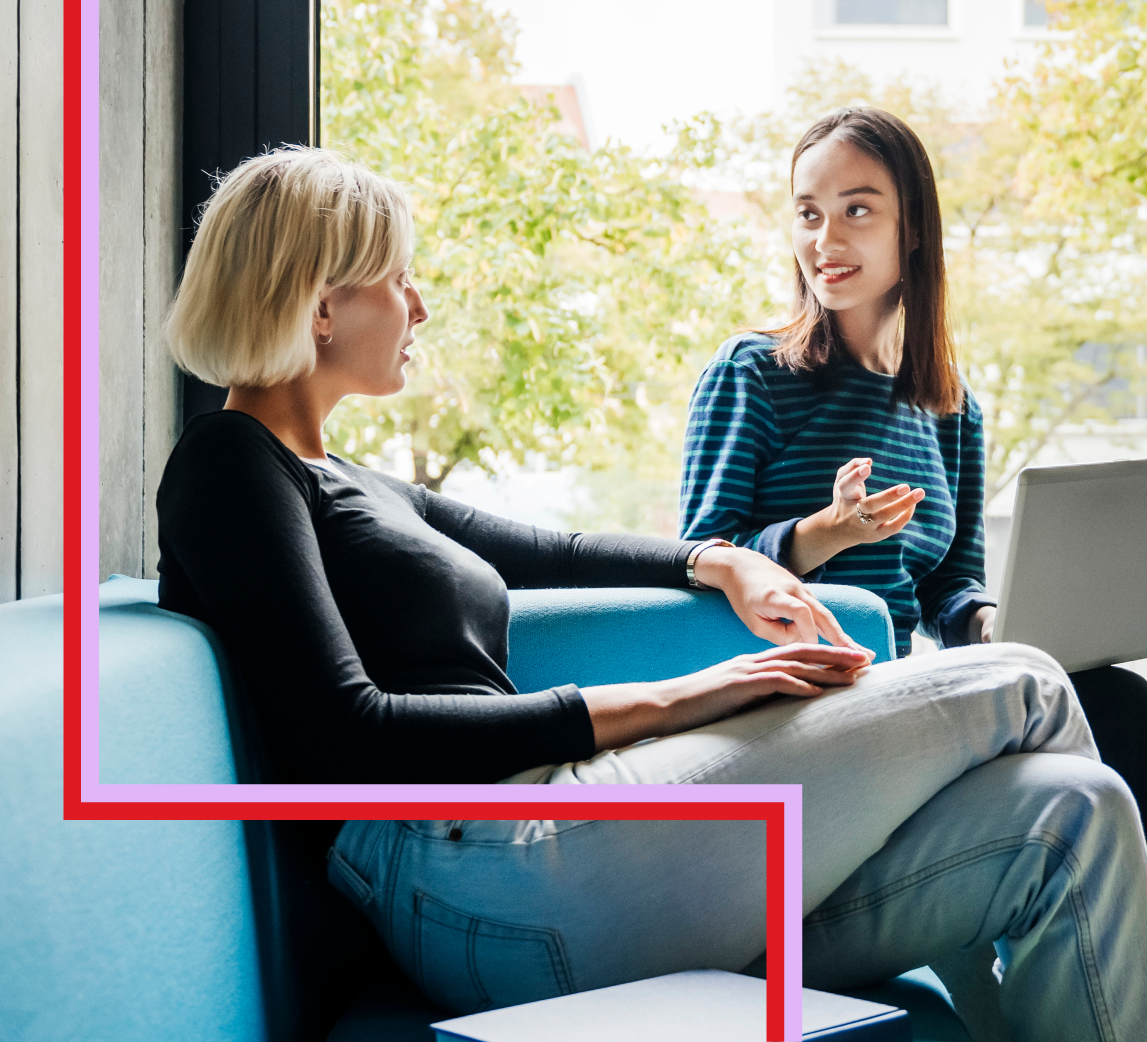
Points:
[853,517]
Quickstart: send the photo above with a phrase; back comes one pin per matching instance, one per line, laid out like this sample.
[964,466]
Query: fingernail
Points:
[901,489]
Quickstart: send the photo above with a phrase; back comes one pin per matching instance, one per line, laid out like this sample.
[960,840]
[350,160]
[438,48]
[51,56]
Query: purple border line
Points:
[794,906]
[89,390]
[91,789]
[224,794]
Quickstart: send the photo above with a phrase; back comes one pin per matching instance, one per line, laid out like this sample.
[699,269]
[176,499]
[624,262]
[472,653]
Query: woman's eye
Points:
[856,210]
[806,215]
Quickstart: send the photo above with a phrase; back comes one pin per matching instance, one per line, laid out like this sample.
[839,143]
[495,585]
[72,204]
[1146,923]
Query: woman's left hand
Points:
[981,625]
[769,599]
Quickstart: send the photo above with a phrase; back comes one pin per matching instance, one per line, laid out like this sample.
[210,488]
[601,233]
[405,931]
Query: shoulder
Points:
[750,350]
[228,445]
[973,415]
[745,360]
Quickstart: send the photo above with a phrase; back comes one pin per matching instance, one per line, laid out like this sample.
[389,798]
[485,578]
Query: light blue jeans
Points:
[954,809]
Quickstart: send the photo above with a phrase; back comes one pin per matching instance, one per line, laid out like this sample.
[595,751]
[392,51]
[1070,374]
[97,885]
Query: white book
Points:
[693,1006]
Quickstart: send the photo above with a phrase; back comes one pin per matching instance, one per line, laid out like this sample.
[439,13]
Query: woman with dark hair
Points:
[788,427]
[369,620]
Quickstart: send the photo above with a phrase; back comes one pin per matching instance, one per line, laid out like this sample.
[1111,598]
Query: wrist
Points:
[713,564]
[816,539]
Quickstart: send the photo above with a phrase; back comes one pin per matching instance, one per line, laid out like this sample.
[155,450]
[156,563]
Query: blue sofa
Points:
[221,931]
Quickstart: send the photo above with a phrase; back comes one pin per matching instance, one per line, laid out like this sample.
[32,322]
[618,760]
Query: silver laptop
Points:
[1075,583]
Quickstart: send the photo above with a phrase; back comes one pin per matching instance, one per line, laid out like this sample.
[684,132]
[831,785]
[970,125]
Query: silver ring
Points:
[865,519]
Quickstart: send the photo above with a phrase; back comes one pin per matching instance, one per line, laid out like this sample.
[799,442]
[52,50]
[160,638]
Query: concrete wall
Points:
[9,370]
[31,298]
[140,254]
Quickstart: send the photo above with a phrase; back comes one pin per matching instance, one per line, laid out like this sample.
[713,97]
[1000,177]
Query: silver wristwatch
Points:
[691,562]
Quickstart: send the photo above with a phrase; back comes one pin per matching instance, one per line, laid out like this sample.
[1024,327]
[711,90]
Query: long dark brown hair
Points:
[809,343]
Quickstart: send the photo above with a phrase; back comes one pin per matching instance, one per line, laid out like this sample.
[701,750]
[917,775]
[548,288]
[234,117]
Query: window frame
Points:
[250,81]
[824,28]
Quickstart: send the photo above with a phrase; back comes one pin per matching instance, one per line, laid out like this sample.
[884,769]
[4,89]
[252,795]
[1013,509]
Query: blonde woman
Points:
[369,619]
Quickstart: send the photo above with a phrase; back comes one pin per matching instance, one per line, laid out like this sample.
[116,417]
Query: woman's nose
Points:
[418,310]
[828,240]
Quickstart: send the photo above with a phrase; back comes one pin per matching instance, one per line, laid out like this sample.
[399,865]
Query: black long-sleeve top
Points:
[368,616]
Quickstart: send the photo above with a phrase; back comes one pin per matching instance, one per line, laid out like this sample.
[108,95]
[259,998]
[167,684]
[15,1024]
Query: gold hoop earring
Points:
[327,341]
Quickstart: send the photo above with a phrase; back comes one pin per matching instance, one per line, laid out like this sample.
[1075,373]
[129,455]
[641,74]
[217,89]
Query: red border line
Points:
[71,405]
[775,924]
[637,810]
[772,813]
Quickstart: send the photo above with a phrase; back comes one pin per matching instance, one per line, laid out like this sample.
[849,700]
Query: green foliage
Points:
[572,296]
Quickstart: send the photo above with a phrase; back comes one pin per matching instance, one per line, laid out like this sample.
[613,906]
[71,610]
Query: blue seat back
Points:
[110,931]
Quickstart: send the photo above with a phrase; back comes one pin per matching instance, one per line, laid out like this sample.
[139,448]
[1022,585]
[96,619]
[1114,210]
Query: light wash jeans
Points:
[951,802]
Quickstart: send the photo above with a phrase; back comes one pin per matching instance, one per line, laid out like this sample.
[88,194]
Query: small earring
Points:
[332,336]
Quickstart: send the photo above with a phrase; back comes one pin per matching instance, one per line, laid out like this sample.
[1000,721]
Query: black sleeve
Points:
[239,550]
[537,558]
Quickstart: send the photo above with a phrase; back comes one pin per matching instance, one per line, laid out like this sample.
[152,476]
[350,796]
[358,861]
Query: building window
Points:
[895,12]
[1035,14]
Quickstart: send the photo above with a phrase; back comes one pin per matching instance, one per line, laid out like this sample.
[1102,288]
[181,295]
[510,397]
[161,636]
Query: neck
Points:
[294,412]
[871,334]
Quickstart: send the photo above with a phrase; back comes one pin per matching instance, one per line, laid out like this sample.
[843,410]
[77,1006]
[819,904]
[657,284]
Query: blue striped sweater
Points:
[761,452]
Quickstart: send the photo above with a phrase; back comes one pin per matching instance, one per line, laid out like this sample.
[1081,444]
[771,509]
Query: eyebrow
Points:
[865,190]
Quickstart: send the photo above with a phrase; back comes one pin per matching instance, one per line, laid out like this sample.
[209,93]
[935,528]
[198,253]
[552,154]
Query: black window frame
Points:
[250,82]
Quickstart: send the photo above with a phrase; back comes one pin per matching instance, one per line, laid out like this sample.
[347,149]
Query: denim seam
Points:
[550,938]
[892,889]
[386,905]
[1087,954]
[472,961]
[352,878]
[1099,1008]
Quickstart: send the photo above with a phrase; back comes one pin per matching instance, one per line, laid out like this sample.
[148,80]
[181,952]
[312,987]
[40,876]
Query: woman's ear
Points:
[321,321]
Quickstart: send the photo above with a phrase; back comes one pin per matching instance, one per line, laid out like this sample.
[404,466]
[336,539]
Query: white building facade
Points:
[961,45]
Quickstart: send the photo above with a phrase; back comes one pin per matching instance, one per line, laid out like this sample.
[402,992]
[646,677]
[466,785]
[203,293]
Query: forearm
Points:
[622,714]
[816,539]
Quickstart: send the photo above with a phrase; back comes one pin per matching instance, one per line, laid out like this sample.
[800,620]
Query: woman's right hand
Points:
[823,535]
[626,713]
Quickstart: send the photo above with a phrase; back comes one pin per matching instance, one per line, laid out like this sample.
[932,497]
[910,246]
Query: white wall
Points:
[965,57]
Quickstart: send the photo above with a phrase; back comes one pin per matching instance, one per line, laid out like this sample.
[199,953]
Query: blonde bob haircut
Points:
[276,230]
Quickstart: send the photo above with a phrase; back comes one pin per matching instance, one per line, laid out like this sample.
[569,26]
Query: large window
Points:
[894,12]
[1035,14]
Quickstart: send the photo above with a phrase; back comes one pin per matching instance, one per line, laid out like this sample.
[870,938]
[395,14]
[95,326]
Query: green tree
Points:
[572,295]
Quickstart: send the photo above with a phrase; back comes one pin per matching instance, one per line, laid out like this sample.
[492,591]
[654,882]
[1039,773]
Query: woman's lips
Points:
[834,273]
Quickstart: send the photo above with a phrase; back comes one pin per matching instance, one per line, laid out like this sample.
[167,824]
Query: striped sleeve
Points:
[727,441]
[954,590]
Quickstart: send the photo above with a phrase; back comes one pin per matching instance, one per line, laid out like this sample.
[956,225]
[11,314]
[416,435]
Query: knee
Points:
[1086,803]
[1032,661]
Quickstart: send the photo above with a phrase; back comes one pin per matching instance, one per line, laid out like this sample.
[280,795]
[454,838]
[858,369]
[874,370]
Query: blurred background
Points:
[601,194]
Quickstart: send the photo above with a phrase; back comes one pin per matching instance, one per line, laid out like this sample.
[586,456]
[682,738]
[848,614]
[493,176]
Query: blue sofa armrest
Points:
[611,636]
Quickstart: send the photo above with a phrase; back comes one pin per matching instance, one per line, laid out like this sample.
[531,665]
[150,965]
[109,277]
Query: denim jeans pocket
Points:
[468,964]
[346,880]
